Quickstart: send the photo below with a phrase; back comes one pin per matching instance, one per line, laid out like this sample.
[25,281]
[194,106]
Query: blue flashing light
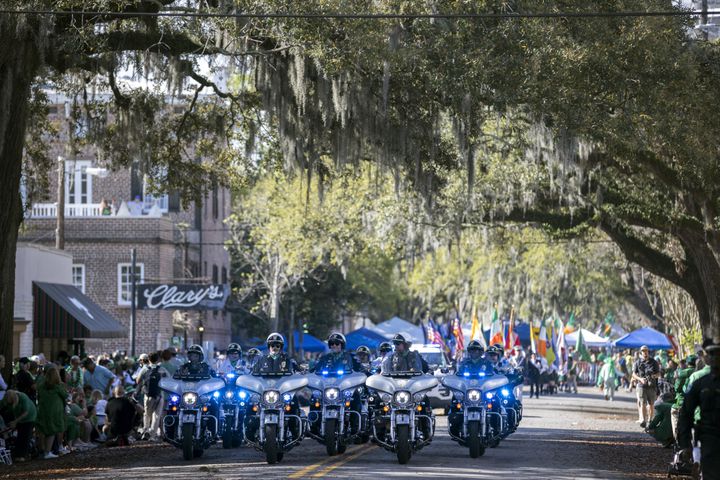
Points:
[340,372]
[230,375]
[216,394]
[287,397]
[242,394]
[324,372]
[174,399]
[481,374]
[505,392]
[489,395]
[466,374]
[242,404]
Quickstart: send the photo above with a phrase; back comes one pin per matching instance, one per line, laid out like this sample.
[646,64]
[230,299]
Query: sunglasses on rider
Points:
[276,345]
[332,344]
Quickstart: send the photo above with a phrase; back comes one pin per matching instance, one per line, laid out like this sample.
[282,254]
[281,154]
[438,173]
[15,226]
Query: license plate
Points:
[271,418]
[331,413]
[188,418]
[402,419]
[473,415]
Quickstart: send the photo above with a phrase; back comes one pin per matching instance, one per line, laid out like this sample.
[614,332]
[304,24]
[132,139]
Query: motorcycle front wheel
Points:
[331,443]
[473,441]
[271,446]
[227,437]
[403,444]
[187,440]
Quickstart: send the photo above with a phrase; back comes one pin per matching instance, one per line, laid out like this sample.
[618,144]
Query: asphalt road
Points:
[563,436]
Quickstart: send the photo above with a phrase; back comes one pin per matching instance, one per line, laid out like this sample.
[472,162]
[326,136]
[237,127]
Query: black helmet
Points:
[253,352]
[363,349]
[493,350]
[499,347]
[196,349]
[399,339]
[234,348]
[475,345]
[275,338]
[385,347]
[337,338]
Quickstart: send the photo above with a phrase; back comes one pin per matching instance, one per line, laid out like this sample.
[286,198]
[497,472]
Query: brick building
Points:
[175,243]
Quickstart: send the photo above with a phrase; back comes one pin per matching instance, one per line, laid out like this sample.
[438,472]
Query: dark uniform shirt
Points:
[197,370]
[475,366]
[269,364]
[408,361]
[333,362]
[647,369]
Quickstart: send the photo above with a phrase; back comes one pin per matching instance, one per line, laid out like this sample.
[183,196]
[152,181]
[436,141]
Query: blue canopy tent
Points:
[364,336]
[309,344]
[645,336]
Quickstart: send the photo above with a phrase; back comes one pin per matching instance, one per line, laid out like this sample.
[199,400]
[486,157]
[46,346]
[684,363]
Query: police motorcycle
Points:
[274,423]
[337,416]
[508,402]
[233,400]
[402,421]
[191,420]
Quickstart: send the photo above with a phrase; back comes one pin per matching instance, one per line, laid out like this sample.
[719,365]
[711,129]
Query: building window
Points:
[215,274]
[78,183]
[224,276]
[125,281]
[78,276]
[215,201]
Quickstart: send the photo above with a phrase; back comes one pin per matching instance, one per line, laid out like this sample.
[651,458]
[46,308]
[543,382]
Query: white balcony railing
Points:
[49,210]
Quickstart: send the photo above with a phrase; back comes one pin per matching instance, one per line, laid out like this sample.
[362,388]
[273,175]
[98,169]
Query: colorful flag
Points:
[476,332]
[550,355]
[533,338]
[570,325]
[562,348]
[542,341]
[496,330]
[458,334]
[581,348]
[608,324]
[511,337]
[437,336]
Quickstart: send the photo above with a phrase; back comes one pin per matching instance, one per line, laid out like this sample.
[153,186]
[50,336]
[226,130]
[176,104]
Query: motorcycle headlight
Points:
[189,398]
[229,394]
[401,398]
[271,397]
[332,394]
[473,395]
[385,397]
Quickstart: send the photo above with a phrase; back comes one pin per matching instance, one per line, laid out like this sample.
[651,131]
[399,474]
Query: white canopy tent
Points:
[395,325]
[589,338]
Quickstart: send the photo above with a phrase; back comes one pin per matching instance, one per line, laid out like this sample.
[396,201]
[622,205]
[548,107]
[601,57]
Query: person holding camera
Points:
[645,373]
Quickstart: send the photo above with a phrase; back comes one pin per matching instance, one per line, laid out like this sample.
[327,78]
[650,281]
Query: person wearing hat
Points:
[338,358]
[474,361]
[383,349]
[275,361]
[704,394]
[363,354]
[402,359]
[646,372]
[232,363]
[683,375]
[24,381]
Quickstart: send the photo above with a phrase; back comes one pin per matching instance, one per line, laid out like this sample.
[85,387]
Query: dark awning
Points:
[63,311]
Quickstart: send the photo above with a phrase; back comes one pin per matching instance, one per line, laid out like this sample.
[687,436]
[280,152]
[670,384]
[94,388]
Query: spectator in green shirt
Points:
[660,426]
[25,413]
[680,381]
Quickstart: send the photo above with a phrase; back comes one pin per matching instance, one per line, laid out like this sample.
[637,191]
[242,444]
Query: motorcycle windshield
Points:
[342,382]
[462,384]
[283,384]
[171,385]
[390,385]
[203,387]
[210,385]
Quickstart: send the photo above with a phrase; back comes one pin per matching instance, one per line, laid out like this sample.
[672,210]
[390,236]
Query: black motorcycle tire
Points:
[342,446]
[280,456]
[198,452]
[271,446]
[227,437]
[331,440]
[403,444]
[473,440]
[187,440]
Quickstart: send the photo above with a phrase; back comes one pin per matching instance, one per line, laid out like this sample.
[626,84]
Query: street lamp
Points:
[201,329]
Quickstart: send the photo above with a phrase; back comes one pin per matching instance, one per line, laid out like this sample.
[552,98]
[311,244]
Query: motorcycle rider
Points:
[402,359]
[275,361]
[383,349]
[338,359]
[233,361]
[362,354]
[195,366]
[251,357]
[474,362]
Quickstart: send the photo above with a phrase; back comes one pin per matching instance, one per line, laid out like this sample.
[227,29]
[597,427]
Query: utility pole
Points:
[60,226]
[133,312]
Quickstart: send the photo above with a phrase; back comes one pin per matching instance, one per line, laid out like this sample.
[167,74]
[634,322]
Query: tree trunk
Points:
[18,65]
[275,294]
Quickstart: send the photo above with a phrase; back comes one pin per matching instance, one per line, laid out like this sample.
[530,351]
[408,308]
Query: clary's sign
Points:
[182,297]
